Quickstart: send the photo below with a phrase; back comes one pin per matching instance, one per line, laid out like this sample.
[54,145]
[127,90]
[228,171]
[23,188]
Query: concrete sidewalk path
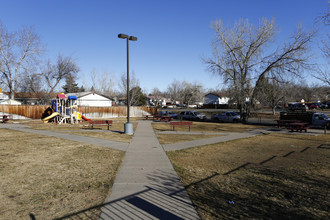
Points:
[147,187]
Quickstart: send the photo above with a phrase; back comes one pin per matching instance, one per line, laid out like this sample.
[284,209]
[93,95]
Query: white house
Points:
[154,100]
[10,102]
[91,99]
[5,100]
[212,98]
[3,96]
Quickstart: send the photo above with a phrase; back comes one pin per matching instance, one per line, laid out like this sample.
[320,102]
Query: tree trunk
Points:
[274,110]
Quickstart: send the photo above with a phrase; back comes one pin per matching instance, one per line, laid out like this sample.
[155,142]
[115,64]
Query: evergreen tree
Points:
[82,89]
[70,85]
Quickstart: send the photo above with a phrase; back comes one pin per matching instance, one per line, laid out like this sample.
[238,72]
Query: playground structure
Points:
[63,110]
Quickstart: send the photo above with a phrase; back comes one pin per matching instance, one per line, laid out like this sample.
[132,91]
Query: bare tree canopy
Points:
[103,83]
[175,90]
[239,57]
[19,53]
[133,83]
[322,73]
[55,73]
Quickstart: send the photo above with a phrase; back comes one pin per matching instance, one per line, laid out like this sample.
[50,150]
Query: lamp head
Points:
[123,36]
[132,38]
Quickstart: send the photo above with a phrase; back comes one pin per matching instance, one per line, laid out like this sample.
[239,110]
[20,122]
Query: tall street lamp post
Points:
[128,127]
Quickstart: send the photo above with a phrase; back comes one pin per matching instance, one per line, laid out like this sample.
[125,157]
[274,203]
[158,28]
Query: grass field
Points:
[207,127]
[83,129]
[52,177]
[275,176]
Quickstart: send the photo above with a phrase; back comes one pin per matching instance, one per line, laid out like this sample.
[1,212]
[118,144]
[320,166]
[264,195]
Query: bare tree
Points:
[133,83]
[191,93]
[323,72]
[104,84]
[273,93]
[31,83]
[157,94]
[239,57]
[175,91]
[19,52]
[54,74]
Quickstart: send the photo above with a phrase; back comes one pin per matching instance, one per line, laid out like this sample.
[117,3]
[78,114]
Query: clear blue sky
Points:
[173,35]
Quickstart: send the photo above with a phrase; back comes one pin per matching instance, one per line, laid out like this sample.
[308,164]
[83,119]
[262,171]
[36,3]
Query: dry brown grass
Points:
[270,176]
[202,127]
[112,136]
[175,138]
[207,127]
[117,125]
[52,177]
[83,129]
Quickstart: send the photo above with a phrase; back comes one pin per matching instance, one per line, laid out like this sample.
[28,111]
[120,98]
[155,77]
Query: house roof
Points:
[217,94]
[82,94]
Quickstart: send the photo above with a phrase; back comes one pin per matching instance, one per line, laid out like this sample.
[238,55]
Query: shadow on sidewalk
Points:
[166,198]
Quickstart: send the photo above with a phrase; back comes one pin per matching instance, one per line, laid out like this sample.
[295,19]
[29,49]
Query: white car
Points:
[226,117]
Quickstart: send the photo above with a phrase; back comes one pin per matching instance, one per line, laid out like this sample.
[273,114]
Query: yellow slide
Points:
[49,117]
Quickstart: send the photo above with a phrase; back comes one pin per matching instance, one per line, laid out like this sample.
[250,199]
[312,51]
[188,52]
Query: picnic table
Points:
[157,117]
[298,126]
[5,118]
[285,123]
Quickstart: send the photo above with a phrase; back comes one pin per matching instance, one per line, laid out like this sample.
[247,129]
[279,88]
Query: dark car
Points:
[298,106]
[168,113]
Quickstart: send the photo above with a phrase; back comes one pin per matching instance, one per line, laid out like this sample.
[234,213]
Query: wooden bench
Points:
[100,122]
[149,116]
[181,123]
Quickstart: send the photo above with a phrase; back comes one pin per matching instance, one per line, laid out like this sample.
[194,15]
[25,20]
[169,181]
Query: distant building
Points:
[10,102]
[3,96]
[92,99]
[213,98]
[158,100]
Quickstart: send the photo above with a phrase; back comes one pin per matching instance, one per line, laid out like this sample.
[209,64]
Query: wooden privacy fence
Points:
[35,111]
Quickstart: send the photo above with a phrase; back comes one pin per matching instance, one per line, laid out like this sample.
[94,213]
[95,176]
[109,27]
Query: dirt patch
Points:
[52,177]
[275,176]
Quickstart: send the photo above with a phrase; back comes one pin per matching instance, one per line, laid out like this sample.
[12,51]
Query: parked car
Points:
[314,106]
[298,106]
[323,106]
[180,106]
[226,117]
[192,115]
[168,113]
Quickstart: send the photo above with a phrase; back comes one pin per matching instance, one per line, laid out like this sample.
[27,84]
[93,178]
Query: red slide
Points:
[86,119]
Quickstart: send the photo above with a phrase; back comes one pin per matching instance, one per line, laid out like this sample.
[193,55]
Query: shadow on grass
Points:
[258,191]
